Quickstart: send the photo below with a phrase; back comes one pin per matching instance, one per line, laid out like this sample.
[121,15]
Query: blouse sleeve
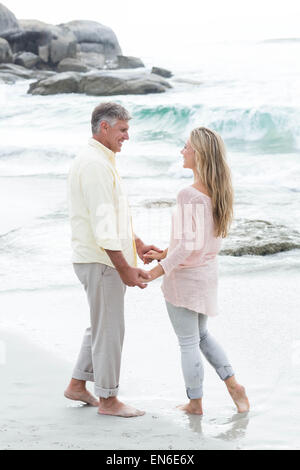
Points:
[188,228]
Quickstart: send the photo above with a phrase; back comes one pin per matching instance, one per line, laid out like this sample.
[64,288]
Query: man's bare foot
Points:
[194,407]
[238,394]
[78,392]
[112,406]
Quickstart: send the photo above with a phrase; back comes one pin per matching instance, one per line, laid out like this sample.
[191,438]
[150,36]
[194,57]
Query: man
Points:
[104,258]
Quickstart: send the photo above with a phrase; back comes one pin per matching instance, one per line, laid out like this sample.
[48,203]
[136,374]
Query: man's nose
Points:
[126,136]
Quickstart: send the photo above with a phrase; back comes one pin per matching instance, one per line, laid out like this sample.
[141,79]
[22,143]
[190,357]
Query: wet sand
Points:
[41,333]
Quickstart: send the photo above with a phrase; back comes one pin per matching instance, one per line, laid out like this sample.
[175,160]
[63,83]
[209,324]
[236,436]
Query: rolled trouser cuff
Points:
[106,392]
[194,393]
[81,375]
[225,372]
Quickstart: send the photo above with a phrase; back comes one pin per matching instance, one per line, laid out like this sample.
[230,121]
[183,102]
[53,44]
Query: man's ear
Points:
[104,126]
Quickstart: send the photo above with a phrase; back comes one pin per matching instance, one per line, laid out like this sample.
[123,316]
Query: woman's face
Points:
[188,156]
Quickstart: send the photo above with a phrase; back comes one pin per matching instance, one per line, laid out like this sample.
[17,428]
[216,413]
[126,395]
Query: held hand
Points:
[142,249]
[151,255]
[134,277]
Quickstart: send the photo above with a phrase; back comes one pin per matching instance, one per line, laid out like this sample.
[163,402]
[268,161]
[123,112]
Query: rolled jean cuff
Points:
[81,375]
[106,392]
[194,393]
[225,372]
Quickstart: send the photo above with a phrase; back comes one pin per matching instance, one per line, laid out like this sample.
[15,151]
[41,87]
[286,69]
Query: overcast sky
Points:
[138,22]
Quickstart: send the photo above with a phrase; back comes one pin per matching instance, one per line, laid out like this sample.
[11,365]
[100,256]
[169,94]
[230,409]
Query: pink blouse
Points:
[191,267]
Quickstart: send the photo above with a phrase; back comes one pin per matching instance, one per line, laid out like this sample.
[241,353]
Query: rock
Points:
[92,59]
[5,51]
[61,48]
[27,59]
[107,84]
[72,65]
[9,26]
[99,84]
[91,32]
[67,82]
[126,62]
[10,73]
[92,47]
[43,52]
[16,70]
[162,72]
[51,43]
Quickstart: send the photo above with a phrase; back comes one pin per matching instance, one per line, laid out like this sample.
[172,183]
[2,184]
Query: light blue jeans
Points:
[191,330]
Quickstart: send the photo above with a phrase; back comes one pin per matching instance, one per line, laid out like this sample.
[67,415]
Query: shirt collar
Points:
[104,150]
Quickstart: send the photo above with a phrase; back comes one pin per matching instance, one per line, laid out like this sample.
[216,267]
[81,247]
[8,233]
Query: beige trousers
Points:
[99,359]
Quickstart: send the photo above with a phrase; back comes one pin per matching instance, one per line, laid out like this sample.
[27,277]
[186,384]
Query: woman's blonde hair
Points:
[214,173]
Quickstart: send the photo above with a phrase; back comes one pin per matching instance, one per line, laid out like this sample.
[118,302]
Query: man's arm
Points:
[129,275]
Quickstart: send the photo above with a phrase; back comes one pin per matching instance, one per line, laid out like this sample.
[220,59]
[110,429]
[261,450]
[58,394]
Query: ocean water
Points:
[248,92]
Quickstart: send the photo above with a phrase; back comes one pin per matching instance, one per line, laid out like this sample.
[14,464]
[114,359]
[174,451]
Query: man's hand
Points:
[134,276]
[142,249]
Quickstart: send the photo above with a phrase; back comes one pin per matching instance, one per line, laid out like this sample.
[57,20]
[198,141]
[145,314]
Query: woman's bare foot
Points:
[112,406]
[77,391]
[194,407]
[238,394]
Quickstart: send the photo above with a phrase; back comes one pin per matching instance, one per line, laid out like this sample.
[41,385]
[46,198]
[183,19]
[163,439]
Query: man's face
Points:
[115,135]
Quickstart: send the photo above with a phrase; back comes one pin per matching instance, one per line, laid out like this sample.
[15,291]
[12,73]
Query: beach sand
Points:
[258,326]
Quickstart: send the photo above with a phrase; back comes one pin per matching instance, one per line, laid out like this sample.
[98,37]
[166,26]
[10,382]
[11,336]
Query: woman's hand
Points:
[153,254]
[155,273]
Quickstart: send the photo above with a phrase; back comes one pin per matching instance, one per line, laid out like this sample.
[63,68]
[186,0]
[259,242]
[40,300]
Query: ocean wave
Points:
[34,162]
[269,128]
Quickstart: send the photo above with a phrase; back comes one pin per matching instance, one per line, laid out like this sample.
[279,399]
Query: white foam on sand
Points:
[257,326]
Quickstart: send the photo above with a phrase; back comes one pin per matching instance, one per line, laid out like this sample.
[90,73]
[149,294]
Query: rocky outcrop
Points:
[127,62]
[162,72]
[5,51]
[75,47]
[99,84]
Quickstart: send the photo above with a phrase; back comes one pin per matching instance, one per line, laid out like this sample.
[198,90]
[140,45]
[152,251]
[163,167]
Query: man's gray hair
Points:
[109,112]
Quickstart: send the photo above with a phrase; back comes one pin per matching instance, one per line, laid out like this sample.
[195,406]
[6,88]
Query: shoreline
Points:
[45,330]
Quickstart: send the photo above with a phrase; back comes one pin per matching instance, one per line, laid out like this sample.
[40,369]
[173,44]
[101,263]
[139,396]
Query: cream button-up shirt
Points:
[98,208]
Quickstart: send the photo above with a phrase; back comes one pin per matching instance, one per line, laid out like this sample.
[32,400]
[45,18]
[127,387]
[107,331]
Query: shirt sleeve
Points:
[97,184]
[188,228]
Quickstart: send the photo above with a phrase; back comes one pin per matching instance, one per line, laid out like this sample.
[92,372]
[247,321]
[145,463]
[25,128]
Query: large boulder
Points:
[67,82]
[128,62]
[94,37]
[5,51]
[100,84]
[27,59]
[72,65]
[51,43]
[9,26]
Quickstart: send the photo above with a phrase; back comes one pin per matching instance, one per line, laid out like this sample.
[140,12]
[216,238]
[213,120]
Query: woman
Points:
[203,216]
